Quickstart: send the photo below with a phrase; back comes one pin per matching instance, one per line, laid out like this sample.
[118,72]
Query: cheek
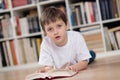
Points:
[49,35]
[63,31]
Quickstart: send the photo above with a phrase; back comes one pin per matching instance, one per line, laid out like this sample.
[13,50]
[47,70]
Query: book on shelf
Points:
[2,5]
[7,57]
[16,3]
[0,61]
[50,75]
[30,51]
[94,41]
[21,50]
[95,11]
[87,9]
[109,9]
[78,15]
[113,37]
[5,4]
[1,33]
[14,54]
[107,39]
[118,38]
[118,6]
[9,53]
[2,54]
[73,16]
[113,40]
[38,41]
[6,53]
[24,26]
[114,29]
[83,12]
[18,29]
[34,47]
[91,9]
[5,25]
[27,22]
[103,9]
[89,28]
[115,10]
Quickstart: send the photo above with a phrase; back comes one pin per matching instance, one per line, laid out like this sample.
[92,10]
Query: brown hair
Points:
[52,14]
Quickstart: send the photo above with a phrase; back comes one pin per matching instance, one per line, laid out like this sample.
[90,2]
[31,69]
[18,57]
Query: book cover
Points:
[2,54]
[9,53]
[14,55]
[107,39]
[115,10]
[103,9]
[117,33]
[53,74]
[78,15]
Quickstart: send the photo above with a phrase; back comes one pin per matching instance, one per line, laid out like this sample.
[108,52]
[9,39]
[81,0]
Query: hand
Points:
[78,66]
[44,69]
[41,70]
[73,68]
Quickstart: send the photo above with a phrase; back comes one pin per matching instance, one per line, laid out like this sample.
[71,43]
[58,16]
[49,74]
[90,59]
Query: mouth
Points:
[57,37]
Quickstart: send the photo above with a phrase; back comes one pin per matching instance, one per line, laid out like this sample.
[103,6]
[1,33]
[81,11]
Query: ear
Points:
[44,32]
[67,26]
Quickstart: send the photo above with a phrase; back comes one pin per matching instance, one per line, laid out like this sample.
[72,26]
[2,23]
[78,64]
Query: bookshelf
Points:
[20,41]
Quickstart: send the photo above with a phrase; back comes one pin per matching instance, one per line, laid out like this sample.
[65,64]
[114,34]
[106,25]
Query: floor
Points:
[103,68]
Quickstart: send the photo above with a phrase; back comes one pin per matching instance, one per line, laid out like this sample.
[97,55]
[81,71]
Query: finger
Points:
[67,68]
[70,68]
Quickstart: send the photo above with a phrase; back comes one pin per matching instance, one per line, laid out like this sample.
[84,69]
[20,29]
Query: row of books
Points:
[27,25]
[84,12]
[4,4]
[17,3]
[109,9]
[24,26]
[27,51]
[5,26]
[112,38]
[93,38]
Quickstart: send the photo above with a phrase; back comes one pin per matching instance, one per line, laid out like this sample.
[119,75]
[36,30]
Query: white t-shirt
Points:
[74,51]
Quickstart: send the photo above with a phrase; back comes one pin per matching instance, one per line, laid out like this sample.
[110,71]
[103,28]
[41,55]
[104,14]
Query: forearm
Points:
[78,66]
[82,65]
[45,69]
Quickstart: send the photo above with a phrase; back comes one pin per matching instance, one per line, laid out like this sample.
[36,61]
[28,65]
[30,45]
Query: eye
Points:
[59,26]
[49,29]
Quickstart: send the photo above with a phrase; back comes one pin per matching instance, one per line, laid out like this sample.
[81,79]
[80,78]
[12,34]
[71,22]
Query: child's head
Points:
[51,15]
[54,24]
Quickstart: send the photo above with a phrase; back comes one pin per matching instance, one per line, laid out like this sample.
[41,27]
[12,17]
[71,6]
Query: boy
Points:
[61,49]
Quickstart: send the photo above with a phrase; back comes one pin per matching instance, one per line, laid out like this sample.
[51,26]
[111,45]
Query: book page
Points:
[61,72]
[35,76]
[51,74]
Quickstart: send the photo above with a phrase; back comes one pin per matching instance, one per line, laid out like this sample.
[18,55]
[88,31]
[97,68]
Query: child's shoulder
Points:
[74,33]
[46,40]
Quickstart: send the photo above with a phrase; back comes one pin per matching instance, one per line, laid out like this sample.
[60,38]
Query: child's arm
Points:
[45,69]
[78,66]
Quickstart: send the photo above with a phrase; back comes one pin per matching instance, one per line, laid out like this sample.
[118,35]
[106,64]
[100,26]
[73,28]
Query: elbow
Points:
[85,65]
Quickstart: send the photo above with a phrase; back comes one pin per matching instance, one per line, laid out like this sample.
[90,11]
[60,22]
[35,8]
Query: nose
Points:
[55,31]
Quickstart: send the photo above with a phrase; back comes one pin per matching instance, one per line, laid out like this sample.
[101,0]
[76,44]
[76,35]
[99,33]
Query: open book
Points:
[54,74]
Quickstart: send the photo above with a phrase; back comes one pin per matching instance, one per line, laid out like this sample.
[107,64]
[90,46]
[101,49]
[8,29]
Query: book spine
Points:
[4,63]
[13,52]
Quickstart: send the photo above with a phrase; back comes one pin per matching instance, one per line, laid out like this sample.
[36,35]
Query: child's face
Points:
[57,32]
